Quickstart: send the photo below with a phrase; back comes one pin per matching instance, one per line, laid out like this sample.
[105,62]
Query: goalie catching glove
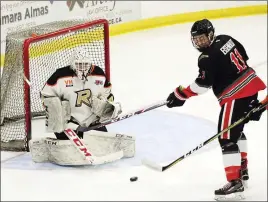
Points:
[105,109]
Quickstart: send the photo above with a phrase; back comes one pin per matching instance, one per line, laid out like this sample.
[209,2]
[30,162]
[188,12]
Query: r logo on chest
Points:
[83,97]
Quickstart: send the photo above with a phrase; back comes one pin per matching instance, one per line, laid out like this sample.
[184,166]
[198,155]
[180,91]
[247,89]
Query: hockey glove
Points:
[254,116]
[176,98]
[105,109]
[112,111]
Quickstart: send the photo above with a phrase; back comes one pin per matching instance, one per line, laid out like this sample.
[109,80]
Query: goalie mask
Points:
[202,34]
[81,64]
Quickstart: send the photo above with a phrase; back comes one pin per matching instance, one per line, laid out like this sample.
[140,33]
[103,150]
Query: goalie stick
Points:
[120,118]
[87,155]
[82,149]
[160,168]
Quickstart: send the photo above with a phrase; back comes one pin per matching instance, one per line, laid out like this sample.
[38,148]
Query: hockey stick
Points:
[160,168]
[120,118]
[92,160]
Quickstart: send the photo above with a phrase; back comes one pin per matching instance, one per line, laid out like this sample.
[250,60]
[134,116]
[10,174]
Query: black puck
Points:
[133,179]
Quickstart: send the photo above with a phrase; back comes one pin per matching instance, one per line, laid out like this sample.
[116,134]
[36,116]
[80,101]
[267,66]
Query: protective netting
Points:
[45,56]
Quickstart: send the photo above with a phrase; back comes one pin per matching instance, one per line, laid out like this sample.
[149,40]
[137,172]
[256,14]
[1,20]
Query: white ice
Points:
[145,67]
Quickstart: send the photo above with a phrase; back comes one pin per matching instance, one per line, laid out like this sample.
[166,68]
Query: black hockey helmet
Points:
[202,34]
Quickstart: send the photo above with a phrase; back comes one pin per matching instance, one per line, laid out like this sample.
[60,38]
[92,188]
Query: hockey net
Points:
[31,56]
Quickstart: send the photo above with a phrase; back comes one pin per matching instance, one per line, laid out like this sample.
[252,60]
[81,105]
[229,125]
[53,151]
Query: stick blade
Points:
[152,165]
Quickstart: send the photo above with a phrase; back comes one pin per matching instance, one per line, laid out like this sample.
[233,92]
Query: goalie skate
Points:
[232,191]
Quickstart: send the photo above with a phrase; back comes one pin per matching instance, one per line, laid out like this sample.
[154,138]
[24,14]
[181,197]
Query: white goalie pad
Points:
[66,111]
[62,152]
[106,142]
[57,114]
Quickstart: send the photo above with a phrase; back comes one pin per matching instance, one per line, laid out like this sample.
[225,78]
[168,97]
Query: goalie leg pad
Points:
[102,143]
[38,150]
[60,152]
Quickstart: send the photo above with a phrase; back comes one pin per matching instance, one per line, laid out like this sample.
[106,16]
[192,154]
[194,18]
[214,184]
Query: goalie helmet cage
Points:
[34,54]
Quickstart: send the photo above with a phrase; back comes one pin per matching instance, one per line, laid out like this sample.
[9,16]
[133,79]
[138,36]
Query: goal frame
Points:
[26,61]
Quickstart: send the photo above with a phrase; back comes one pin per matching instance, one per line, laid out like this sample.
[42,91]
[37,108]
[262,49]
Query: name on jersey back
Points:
[227,47]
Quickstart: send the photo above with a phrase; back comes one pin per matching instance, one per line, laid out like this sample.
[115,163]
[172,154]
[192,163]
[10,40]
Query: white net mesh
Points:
[48,53]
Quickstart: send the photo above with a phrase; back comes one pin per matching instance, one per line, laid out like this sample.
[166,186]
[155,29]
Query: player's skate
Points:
[232,191]
[244,172]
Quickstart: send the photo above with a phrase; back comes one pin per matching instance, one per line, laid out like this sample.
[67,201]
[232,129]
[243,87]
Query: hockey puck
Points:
[133,179]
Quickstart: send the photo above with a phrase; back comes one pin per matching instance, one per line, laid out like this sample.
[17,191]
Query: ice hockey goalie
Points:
[79,95]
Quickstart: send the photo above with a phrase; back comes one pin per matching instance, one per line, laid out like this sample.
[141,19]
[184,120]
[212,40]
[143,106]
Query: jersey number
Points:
[237,59]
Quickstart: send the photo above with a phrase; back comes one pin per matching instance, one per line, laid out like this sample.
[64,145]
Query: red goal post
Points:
[32,55]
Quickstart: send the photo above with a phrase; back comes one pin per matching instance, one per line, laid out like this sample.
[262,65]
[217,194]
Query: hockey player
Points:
[223,67]
[78,95]
[85,88]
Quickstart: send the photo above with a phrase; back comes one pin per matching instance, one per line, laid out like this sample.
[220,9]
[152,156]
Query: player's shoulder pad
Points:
[203,56]
[204,61]
[60,73]
[223,36]
[96,70]
[99,72]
